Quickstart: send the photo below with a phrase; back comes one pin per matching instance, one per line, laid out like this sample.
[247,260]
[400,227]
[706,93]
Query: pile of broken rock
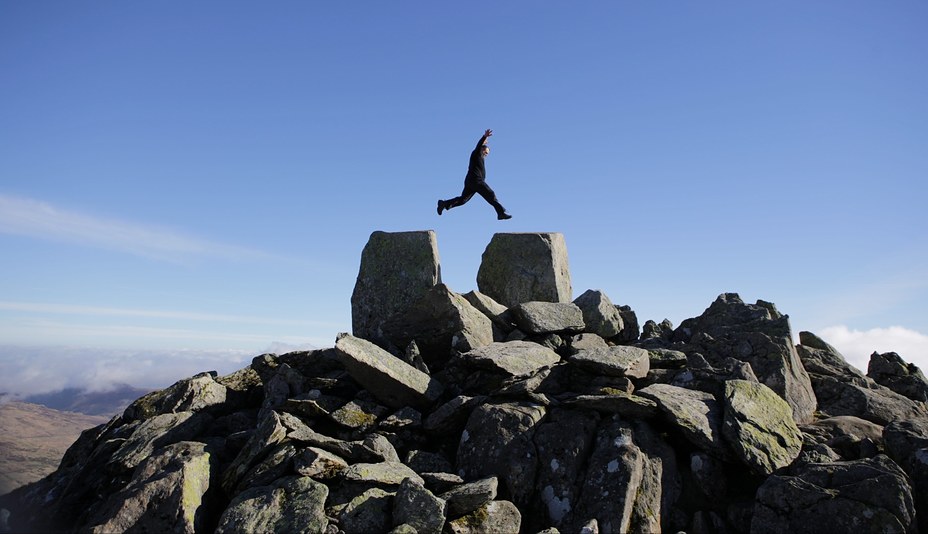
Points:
[510,409]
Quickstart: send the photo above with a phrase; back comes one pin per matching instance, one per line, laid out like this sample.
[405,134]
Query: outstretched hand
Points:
[488,133]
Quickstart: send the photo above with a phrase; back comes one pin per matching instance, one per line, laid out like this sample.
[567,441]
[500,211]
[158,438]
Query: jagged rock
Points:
[842,389]
[851,437]
[712,379]
[292,504]
[278,463]
[383,474]
[511,359]
[189,395]
[413,356]
[538,318]
[270,432]
[418,507]
[660,482]
[620,360]
[393,381]
[466,498]
[494,311]
[865,399]
[373,448]
[441,482]
[319,464]
[440,321]
[428,462]
[599,314]
[759,426]
[906,443]
[452,414]
[871,494]
[518,268]
[698,415]
[496,516]
[498,442]
[613,477]
[890,370]
[358,415]
[367,512]
[709,474]
[820,358]
[564,442]
[397,269]
[165,493]
[155,432]
[284,384]
[757,334]
[630,329]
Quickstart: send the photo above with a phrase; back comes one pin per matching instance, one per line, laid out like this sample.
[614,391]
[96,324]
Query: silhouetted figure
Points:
[475,182]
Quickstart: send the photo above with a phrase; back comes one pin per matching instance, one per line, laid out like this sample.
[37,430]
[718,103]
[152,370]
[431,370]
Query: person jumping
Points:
[475,182]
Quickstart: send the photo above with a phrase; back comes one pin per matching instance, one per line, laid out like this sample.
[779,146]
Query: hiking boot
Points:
[503,216]
[441,206]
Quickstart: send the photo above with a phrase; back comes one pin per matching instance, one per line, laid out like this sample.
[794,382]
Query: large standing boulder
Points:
[870,495]
[519,268]
[759,335]
[438,322]
[759,426]
[397,268]
[390,379]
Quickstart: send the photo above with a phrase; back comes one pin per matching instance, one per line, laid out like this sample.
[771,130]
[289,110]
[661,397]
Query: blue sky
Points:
[202,176]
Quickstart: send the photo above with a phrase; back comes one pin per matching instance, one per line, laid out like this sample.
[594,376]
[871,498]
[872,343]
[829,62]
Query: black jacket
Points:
[476,171]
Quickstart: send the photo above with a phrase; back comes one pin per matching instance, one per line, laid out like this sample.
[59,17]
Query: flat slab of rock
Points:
[547,317]
[697,414]
[512,358]
[631,406]
[525,267]
[292,504]
[397,268]
[759,426]
[393,381]
[381,474]
[620,360]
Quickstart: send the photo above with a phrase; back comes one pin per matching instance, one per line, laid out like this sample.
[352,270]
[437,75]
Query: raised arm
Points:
[483,140]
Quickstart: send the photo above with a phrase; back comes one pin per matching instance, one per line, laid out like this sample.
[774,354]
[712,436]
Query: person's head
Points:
[485,150]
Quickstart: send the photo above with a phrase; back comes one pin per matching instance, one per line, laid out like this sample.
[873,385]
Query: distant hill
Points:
[108,403]
[34,439]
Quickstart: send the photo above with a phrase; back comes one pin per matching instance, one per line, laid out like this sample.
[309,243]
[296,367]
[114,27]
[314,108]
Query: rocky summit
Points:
[509,409]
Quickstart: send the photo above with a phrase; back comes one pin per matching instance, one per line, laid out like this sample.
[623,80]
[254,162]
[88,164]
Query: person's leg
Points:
[466,195]
[487,193]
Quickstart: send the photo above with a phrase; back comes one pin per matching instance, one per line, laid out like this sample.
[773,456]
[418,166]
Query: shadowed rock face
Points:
[510,427]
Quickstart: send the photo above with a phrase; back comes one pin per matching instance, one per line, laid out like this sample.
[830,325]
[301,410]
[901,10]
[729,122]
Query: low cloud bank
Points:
[28,371]
[857,345]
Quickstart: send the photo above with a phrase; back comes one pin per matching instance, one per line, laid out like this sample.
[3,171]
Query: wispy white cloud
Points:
[26,370]
[857,345]
[98,311]
[41,220]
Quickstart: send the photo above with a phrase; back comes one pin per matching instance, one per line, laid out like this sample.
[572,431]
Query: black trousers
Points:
[472,187]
